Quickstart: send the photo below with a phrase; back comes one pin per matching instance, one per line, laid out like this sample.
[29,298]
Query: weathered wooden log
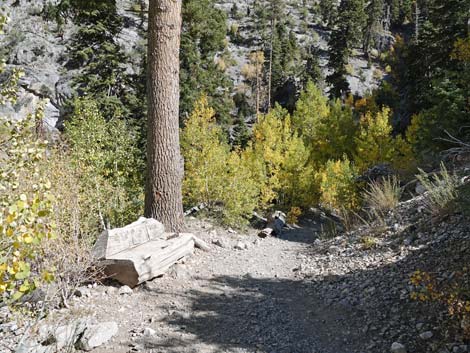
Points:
[116,240]
[141,251]
[147,261]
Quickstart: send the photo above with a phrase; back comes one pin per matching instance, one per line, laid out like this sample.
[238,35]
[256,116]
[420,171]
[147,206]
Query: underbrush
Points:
[57,198]
[453,294]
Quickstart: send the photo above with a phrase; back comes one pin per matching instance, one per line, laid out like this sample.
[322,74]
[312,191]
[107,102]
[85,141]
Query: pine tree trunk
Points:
[163,199]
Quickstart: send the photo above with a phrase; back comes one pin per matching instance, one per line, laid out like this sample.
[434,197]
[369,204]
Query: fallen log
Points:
[141,251]
[113,241]
[147,261]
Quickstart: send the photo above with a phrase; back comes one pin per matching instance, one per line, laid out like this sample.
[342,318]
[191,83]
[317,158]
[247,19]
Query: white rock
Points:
[241,246]
[125,290]
[97,335]
[111,290]
[397,348]
[148,332]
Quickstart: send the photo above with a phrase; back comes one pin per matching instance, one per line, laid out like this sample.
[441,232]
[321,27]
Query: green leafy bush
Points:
[375,144]
[110,165]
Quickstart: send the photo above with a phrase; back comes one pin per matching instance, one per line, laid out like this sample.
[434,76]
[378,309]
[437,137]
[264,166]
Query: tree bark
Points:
[163,199]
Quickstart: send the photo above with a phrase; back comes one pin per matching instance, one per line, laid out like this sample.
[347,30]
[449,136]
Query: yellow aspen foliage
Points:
[311,110]
[375,143]
[365,104]
[205,156]
[278,158]
[338,188]
[240,197]
[220,179]
[26,208]
[327,129]
[265,154]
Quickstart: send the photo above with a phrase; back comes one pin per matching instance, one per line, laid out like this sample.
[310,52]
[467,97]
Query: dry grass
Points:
[383,195]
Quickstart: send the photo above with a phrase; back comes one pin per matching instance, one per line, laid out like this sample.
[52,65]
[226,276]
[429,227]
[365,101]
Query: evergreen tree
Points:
[375,11]
[338,59]
[347,34]
[328,11]
[312,70]
[203,38]
[94,49]
[432,80]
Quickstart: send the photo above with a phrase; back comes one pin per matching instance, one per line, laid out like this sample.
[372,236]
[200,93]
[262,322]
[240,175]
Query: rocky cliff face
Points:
[40,49]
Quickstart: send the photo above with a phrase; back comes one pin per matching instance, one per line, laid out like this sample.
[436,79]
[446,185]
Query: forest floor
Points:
[293,294]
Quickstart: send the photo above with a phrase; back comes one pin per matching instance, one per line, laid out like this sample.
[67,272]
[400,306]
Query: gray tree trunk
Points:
[163,199]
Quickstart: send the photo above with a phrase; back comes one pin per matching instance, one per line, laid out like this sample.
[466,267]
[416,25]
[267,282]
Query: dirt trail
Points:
[228,300]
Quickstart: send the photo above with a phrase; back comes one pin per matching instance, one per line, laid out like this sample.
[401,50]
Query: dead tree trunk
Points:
[163,199]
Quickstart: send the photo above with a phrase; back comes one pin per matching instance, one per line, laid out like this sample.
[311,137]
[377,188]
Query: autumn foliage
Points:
[313,156]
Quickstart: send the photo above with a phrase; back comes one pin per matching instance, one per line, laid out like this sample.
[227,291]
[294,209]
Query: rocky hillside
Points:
[40,48]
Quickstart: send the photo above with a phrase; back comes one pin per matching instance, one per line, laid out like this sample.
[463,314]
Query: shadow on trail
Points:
[274,315]
[264,315]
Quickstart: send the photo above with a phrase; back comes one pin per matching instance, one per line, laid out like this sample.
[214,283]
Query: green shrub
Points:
[441,191]
[375,144]
[75,219]
[110,165]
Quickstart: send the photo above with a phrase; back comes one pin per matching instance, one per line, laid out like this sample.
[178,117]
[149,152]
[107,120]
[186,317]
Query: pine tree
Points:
[347,34]
[432,81]
[312,70]
[203,38]
[338,59]
[163,196]
[94,49]
[375,11]
[328,11]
